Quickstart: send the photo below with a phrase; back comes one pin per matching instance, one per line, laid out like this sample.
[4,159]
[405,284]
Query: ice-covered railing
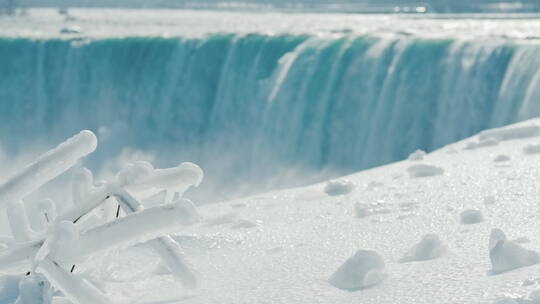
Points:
[62,240]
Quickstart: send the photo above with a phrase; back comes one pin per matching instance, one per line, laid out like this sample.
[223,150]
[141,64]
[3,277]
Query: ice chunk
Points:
[47,167]
[507,133]
[506,255]
[339,187]
[532,149]
[34,289]
[471,216]
[417,155]
[422,170]
[362,270]
[430,247]
[501,158]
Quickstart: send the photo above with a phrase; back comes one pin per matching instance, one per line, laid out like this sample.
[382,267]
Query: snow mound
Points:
[507,255]
[501,158]
[417,155]
[484,142]
[364,269]
[430,247]
[508,133]
[532,149]
[340,187]
[422,170]
[471,216]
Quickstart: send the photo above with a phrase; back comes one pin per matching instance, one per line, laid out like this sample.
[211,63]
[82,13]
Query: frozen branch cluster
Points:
[54,242]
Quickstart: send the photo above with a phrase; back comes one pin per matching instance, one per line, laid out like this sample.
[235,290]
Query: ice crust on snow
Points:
[471,216]
[417,155]
[424,170]
[507,255]
[430,247]
[364,269]
[339,187]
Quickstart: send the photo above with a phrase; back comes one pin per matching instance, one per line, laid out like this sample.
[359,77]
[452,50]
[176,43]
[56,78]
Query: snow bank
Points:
[362,270]
[430,247]
[423,170]
[340,187]
[507,255]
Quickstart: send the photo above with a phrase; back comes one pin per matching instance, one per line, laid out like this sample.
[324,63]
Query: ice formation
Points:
[430,247]
[471,216]
[47,167]
[339,187]
[507,255]
[364,269]
[69,238]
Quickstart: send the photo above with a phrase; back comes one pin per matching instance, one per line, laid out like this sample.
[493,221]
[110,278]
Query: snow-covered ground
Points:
[416,231]
[100,23]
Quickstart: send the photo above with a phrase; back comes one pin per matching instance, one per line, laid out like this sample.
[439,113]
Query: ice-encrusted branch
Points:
[62,240]
[47,167]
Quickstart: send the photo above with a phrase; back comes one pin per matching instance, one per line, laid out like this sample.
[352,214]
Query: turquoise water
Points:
[257,111]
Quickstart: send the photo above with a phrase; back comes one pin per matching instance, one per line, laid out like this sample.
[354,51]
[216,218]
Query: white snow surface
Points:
[302,236]
[101,23]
